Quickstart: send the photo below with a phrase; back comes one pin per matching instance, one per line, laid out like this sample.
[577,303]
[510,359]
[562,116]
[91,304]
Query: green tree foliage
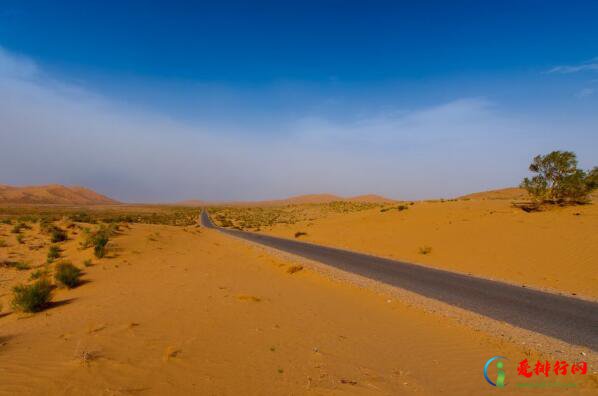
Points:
[558,180]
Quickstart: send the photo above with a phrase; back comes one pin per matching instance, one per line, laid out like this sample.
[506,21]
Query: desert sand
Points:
[553,250]
[184,310]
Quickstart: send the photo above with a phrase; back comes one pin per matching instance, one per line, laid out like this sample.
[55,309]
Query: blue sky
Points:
[249,100]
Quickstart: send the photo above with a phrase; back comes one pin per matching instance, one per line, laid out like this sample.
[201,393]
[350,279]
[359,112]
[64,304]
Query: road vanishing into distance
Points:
[572,320]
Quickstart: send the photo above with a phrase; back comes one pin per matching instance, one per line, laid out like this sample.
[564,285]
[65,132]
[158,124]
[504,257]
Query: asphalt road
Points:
[569,319]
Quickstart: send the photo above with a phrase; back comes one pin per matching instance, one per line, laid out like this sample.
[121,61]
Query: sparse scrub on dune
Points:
[20,227]
[53,253]
[22,266]
[38,274]
[67,275]
[87,263]
[425,250]
[18,265]
[256,218]
[3,243]
[400,208]
[32,298]
[6,221]
[99,239]
[300,234]
[58,235]
[99,247]
[82,217]
[558,180]
[20,238]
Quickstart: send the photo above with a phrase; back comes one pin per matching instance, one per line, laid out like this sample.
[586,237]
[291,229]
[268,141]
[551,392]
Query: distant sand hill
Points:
[503,193]
[296,200]
[52,194]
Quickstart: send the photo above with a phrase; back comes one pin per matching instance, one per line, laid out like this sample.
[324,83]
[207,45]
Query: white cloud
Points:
[591,65]
[51,131]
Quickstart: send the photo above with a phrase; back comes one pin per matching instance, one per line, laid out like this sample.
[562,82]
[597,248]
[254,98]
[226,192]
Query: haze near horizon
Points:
[250,102]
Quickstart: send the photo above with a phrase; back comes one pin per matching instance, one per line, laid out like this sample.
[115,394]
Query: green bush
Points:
[39,273]
[558,180]
[82,217]
[99,248]
[22,266]
[20,227]
[53,253]
[58,235]
[67,274]
[32,298]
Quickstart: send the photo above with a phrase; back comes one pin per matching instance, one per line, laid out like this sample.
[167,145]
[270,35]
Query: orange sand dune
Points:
[503,193]
[182,311]
[52,194]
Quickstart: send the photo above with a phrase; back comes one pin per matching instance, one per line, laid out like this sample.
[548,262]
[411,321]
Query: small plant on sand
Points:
[99,248]
[300,234]
[82,217]
[425,250]
[87,263]
[67,275]
[53,253]
[32,298]
[402,207]
[3,243]
[6,221]
[20,227]
[22,266]
[558,180]
[20,239]
[99,239]
[38,274]
[57,235]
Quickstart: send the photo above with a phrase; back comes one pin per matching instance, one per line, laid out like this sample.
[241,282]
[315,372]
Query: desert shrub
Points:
[558,180]
[99,239]
[300,233]
[58,235]
[425,250]
[19,265]
[99,247]
[20,227]
[87,263]
[39,273]
[402,207]
[82,217]
[53,253]
[67,274]
[3,243]
[20,238]
[22,266]
[32,298]
[6,221]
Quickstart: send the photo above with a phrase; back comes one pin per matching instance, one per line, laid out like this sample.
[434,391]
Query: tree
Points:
[558,180]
